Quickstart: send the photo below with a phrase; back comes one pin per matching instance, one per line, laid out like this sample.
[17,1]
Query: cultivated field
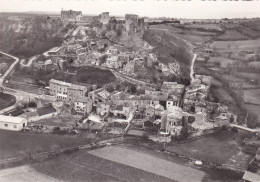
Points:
[24,173]
[223,62]
[232,35]
[149,163]
[252,96]
[229,46]
[248,75]
[255,110]
[6,100]
[193,36]
[216,148]
[214,27]
[17,144]
[83,166]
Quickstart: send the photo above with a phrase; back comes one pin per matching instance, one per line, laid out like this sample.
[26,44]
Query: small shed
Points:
[12,123]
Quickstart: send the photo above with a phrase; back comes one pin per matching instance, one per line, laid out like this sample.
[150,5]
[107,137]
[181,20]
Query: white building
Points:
[12,123]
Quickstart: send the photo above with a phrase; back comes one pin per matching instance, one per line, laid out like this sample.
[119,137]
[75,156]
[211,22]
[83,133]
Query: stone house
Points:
[75,91]
[83,105]
[46,65]
[103,108]
[114,62]
[123,109]
[130,67]
[172,102]
[204,79]
[173,88]
[112,51]
[151,60]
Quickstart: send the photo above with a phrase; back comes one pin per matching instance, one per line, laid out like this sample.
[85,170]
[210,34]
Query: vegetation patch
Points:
[92,75]
[6,100]
[217,148]
[17,144]
[232,35]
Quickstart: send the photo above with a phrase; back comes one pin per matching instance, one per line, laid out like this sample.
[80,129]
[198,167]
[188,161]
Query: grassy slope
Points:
[85,75]
[167,51]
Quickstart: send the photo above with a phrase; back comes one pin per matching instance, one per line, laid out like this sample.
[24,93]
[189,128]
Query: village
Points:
[140,101]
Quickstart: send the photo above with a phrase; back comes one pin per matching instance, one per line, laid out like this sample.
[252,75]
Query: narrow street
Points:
[192,67]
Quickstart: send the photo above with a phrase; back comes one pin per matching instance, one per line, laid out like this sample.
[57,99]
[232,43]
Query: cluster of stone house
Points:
[172,106]
[196,104]
[153,105]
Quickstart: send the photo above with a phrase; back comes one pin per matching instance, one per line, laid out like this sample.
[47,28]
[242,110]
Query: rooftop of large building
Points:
[60,82]
[77,87]
[83,99]
[113,59]
[11,119]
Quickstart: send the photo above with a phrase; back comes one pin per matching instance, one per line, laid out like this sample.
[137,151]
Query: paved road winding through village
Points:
[10,68]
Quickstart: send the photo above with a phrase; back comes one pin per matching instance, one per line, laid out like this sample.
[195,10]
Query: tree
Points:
[32,104]
[103,33]
[103,59]
[132,89]
[118,87]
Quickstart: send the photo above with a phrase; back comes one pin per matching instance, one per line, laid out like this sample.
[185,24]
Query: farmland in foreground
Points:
[24,173]
[18,144]
[82,166]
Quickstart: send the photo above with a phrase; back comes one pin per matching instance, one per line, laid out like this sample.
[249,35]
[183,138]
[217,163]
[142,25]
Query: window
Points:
[15,126]
[6,125]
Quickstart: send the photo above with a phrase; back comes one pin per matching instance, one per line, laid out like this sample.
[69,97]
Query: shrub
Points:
[235,130]
[56,129]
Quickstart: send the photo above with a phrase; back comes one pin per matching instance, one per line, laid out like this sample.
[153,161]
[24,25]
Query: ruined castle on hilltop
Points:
[132,23]
[70,15]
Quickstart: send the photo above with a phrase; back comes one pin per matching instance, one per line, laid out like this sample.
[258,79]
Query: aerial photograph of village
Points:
[131,91]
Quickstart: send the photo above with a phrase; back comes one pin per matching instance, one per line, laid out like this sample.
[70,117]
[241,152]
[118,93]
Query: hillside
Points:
[168,48]
[29,35]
